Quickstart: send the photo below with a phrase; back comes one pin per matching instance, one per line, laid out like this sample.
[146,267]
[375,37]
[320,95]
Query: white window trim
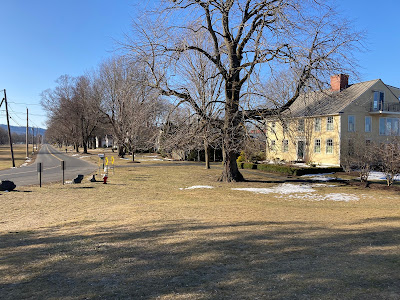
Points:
[348,123]
[315,124]
[283,146]
[385,127]
[326,147]
[370,124]
[320,146]
[327,124]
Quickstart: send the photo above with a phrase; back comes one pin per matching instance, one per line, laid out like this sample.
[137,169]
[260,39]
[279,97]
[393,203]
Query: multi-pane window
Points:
[351,123]
[317,146]
[329,146]
[317,124]
[273,145]
[285,145]
[368,124]
[329,123]
[300,125]
[389,126]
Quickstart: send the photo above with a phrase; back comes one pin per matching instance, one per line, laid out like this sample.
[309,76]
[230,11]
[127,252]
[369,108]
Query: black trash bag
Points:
[7,185]
[78,179]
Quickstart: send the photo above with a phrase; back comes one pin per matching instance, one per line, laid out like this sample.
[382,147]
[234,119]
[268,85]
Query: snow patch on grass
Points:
[380,176]
[284,188]
[27,161]
[302,191]
[152,159]
[197,187]
[319,177]
[323,185]
[337,197]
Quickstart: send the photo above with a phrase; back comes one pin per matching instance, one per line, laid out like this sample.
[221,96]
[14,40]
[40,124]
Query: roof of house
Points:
[327,102]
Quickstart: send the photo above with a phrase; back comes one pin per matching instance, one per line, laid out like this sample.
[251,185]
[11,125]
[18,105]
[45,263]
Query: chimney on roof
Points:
[339,82]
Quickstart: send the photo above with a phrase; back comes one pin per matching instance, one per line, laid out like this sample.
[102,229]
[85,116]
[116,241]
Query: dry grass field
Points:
[19,155]
[145,236]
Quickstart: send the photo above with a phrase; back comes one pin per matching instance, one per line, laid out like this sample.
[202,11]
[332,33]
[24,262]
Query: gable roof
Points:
[327,102]
[394,90]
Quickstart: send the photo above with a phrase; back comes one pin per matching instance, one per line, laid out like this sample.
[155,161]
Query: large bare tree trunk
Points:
[230,170]
[232,135]
[206,157]
[85,148]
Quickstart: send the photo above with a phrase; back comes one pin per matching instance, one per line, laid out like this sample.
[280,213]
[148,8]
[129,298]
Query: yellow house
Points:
[319,126]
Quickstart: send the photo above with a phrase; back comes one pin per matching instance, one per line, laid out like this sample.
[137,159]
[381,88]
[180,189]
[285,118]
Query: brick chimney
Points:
[339,82]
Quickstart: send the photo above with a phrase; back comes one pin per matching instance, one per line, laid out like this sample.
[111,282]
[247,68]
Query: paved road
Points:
[51,162]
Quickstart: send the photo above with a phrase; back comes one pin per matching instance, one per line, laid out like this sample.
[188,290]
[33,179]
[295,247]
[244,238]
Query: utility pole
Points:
[33,140]
[37,138]
[8,125]
[27,128]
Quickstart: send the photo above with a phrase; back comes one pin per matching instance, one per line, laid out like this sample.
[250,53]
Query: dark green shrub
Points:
[288,169]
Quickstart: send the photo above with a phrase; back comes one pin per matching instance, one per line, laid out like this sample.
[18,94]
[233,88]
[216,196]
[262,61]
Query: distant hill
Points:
[22,130]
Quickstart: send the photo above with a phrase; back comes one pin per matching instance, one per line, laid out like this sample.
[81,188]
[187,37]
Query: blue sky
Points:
[44,39]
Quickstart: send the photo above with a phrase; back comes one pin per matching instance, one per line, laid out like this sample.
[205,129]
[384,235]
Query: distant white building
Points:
[104,142]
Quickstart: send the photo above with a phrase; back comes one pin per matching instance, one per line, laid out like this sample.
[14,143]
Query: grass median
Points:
[151,234]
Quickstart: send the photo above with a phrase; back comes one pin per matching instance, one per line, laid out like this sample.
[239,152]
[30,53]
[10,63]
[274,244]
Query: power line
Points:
[15,121]
[20,113]
[14,112]
[22,103]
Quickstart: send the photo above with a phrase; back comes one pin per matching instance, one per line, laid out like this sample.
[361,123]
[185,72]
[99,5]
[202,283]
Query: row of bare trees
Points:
[364,156]
[220,60]
[112,100]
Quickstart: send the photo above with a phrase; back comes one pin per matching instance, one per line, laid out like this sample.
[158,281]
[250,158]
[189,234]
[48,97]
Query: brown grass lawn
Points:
[19,155]
[141,237]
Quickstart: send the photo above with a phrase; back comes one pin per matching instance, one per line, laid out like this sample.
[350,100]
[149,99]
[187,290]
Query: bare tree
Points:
[131,108]
[73,110]
[201,79]
[61,110]
[359,154]
[244,40]
[389,158]
[179,134]
[87,104]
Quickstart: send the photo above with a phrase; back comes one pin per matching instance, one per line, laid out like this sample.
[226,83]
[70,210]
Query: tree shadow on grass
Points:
[191,260]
